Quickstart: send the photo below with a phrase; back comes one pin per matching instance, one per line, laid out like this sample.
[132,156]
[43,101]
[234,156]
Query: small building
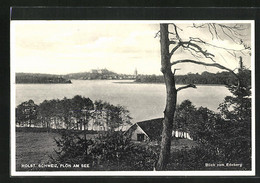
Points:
[151,130]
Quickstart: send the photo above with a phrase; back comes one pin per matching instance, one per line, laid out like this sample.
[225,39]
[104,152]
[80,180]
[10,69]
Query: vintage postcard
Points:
[132,98]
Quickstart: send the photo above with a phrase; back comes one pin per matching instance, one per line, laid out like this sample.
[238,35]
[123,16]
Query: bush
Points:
[72,149]
[197,158]
[110,151]
[193,159]
[220,140]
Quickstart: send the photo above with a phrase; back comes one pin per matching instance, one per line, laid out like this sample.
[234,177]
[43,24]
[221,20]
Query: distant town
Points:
[221,78]
[100,74]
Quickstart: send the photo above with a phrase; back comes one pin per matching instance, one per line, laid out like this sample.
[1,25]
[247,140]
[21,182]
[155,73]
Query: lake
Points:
[144,101]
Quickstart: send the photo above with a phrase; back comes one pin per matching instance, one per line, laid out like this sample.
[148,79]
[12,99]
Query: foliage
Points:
[110,151]
[198,157]
[109,116]
[26,113]
[72,149]
[75,113]
[221,140]
[238,106]
[237,110]
[184,116]
[224,137]
[203,78]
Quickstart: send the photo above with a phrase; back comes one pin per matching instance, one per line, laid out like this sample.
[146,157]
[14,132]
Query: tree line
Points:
[78,113]
[222,78]
[39,78]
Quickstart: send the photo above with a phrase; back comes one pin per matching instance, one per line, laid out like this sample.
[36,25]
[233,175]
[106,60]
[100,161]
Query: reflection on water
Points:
[144,101]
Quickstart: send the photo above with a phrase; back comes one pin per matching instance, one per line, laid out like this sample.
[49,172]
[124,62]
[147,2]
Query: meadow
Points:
[34,148]
[37,148]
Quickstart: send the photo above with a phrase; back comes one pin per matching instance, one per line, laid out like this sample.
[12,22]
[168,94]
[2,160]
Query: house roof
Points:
[153,127]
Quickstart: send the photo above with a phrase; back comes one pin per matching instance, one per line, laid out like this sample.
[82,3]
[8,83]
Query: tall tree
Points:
[236,109]
[81,110]
[26,113]
[171,42]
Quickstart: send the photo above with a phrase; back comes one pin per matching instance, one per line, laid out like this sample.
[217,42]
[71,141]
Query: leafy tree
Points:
[236,109]
[44,113]
[98,114]
[110,116]
[26,113]
[65,107]
[238,106]
[81,110]
[185,112]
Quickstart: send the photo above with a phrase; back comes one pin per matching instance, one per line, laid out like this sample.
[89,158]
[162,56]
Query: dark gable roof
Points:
[153,127]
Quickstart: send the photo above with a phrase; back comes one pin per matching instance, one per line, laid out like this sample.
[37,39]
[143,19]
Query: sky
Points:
[62,47]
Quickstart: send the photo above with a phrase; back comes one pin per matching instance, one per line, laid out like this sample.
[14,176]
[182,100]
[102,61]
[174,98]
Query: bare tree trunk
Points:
[170,99]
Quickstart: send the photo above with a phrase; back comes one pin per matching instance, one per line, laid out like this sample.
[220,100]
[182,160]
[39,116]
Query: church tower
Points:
[136,73]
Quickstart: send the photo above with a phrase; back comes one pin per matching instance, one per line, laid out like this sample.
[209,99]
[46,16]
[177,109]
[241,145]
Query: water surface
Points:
[144,101]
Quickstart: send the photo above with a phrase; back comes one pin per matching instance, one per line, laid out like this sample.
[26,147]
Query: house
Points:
[151,130]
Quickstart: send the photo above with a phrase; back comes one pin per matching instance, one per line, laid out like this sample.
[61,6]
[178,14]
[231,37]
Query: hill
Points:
[98,74]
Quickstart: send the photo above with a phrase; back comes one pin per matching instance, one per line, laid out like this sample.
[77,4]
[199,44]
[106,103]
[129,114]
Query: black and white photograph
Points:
[132,97]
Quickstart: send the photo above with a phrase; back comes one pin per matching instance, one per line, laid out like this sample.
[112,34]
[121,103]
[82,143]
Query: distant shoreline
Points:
[164,83]
[128,82]
[44,83]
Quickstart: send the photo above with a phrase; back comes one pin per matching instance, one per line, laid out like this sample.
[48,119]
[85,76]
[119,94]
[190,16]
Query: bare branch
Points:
[228,34]
[212,35]
[233,29]
[215,29]
[196,48]
[197,56]
[198,26]
[172,42]
[157,34]
[172,33]
[176,70]
[203,63]
[233,32]
[198,40]
[174,49]
[176,31]
[187,86]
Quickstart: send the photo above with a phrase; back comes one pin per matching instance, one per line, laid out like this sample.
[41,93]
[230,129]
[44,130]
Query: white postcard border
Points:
[127,173]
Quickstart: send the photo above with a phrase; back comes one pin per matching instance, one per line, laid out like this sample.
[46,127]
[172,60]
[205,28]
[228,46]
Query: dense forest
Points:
[39,78]
[222,78]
